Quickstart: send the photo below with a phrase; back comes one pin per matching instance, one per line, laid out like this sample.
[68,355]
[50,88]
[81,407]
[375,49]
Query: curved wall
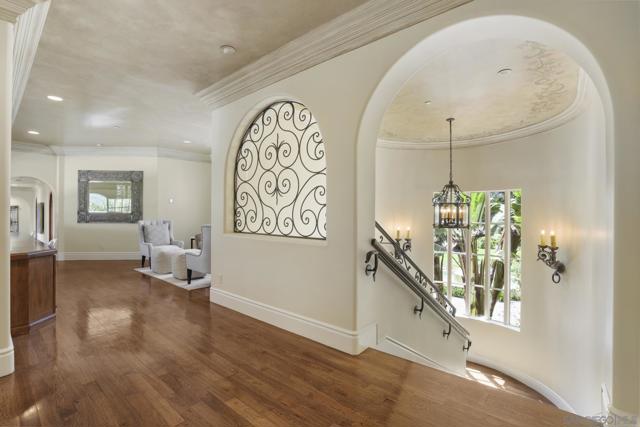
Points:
[493,18]
[563,347]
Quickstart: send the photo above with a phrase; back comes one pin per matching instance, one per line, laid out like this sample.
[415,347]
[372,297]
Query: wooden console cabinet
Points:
[33,285]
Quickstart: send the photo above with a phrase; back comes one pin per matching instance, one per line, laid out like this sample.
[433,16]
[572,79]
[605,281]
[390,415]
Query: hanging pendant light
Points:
[451,206]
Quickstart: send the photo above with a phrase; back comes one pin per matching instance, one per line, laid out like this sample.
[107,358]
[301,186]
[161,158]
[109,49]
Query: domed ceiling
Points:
[492,88]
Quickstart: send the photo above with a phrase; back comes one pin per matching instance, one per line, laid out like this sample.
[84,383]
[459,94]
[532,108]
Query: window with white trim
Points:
[460,258]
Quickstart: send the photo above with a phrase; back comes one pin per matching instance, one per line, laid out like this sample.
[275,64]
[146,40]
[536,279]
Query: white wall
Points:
[98,237]
[186,181]
[565,336]
[313,279]
[349,94]
[41,166]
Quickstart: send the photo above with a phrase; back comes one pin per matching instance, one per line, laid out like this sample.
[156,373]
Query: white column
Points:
[6,71]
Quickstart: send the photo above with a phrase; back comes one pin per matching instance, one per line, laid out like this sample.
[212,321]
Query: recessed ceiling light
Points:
[227,49]
[427,102]
[55,98]
[505,71]
[33,132]
[186,141]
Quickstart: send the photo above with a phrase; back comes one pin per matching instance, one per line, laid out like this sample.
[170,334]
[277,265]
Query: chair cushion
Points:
[157,234]
[179,267]
[162,258]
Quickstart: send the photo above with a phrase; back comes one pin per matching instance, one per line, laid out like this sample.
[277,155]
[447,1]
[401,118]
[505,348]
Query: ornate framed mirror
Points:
[109,196]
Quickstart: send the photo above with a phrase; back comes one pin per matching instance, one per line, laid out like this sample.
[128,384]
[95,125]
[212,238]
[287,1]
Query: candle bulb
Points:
[408,233]
[554,242]
[543,240]
[397,233]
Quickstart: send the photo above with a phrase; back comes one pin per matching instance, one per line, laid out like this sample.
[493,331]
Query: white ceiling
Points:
[464,83]
[128,71]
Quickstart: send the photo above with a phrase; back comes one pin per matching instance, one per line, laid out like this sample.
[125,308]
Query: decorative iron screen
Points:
[280,175]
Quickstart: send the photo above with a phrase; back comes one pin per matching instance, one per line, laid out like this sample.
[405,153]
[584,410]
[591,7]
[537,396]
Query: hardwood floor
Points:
[496,379]
[128,350]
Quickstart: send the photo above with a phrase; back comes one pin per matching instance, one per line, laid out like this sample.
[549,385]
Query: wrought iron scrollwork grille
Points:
[280,175]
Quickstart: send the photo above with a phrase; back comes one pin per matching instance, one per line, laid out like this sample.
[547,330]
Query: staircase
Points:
[427,331]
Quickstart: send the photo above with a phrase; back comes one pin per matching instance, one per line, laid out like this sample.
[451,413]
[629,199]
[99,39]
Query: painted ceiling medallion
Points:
[472,81]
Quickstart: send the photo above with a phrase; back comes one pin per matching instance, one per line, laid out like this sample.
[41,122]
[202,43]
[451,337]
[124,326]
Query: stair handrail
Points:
[403,257]
[396,262]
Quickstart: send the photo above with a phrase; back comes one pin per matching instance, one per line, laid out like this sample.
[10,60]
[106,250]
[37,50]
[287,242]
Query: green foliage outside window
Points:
[483,248]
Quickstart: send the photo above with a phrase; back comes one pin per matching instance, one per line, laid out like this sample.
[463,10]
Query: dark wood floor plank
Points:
[128,350]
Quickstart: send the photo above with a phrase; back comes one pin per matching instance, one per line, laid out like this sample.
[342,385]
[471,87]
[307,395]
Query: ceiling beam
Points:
[367,23]
[28,30]
[11,9]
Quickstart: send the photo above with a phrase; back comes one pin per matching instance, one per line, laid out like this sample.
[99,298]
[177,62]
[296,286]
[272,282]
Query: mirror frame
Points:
[136,179]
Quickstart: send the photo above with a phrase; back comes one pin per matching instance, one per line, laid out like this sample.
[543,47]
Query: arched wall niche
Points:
[447,35]
[230,168]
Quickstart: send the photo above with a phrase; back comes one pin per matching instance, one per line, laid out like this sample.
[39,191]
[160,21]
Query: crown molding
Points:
[30,147]
[59,150]
[570,113]
[367,23]
[28,30]
[11,9]
[184,155]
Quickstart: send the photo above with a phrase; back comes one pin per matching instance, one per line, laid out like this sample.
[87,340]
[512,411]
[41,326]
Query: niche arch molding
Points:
[446,33]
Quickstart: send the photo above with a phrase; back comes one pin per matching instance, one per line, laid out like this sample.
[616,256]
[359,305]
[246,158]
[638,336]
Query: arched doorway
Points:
[554,376]
[32,201]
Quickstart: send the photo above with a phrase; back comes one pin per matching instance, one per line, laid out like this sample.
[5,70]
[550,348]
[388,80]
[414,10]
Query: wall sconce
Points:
[547,254]
[400,243]
[405,243]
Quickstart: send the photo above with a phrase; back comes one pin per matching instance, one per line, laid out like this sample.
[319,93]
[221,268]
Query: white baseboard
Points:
[348,341]
[7,363]
[619,418]
[525,379]
[97,256]
[396,348]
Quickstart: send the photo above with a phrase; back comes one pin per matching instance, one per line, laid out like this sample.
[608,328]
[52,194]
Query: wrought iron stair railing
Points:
[404,268]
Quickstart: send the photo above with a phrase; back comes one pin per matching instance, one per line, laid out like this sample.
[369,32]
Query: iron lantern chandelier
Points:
[451,206]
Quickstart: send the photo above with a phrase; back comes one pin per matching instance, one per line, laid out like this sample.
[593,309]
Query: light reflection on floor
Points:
[493,381]
[497,380]
[103,319]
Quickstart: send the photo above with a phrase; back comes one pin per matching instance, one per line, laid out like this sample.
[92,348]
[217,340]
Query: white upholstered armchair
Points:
[155,233]
[200,261]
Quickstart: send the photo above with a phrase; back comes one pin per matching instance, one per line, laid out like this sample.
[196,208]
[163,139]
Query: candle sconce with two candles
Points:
[548,253]
[404,244]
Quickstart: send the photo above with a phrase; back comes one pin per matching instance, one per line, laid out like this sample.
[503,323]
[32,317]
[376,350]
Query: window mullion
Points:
[507,258]
[468,272]
[487,253]
[449,264]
